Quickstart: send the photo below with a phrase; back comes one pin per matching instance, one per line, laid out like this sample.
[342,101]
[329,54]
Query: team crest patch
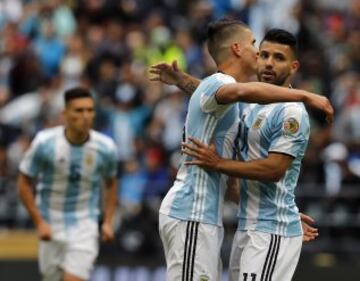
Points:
[89,160]
[258,122]
[291,127]
[204,278]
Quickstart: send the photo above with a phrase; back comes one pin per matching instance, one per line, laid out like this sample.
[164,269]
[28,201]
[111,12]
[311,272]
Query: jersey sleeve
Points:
[111,162]
[31,163]
[208,102]
[291,132]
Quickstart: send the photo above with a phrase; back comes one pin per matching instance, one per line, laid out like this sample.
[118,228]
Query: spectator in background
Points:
[74,61]
[62,19]
[156,175]
[131,189]
[168,120]
[10,11]
[279,13]
[49,49]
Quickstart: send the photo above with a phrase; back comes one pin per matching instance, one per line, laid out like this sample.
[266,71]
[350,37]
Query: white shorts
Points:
[260,256]
[74,257]
[192,249]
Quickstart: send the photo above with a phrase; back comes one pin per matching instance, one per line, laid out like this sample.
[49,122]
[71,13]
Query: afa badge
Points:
[291,127]
[89,160]
[257,123]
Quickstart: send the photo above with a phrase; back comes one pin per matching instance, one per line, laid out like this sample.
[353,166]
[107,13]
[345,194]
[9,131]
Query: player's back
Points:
[197,195]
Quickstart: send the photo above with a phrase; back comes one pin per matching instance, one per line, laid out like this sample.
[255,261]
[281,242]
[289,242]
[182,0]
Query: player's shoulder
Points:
[296,108]
[219,77]
[45,135]
[293,116]
[105,141]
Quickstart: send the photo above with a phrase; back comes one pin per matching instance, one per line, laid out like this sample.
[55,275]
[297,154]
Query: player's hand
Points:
[166,73]
[310,233]
[204,156]
[44,231]
[107,232]
[321,103]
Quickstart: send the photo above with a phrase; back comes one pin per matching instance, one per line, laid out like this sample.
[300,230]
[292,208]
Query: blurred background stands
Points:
[108,45]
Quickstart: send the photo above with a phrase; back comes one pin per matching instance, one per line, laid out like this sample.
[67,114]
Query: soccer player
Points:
[70,164]
[190,219]
[272,141]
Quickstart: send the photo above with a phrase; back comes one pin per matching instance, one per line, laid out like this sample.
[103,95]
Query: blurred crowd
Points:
[48,46]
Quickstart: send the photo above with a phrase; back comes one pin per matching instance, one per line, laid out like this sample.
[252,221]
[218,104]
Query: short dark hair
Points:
[75,93]
[283,37]
[221,30]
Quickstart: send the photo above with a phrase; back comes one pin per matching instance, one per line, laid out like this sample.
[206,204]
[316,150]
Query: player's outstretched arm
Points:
[107,231]
[310,233]
[271,168]
[171,74]
[25,191]
[263,93]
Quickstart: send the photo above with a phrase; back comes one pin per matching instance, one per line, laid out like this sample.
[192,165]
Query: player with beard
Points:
[185,209]
[278,167]
[272,141]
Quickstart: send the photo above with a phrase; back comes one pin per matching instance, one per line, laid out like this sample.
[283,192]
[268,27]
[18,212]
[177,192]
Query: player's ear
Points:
[295,65]
[236,49]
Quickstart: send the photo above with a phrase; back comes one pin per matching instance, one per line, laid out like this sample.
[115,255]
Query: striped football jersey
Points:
[198,195]
[69,177]
[280,128]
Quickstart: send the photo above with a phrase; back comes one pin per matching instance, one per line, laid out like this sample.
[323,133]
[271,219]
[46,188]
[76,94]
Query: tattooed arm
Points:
[172,75]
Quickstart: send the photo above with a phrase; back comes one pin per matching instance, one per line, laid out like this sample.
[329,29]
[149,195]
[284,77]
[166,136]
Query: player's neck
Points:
[76,138]
[287,83]
[234,70]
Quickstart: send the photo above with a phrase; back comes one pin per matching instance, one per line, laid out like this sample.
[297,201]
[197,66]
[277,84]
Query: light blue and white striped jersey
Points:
[198,195]
[283,128]
[69,177]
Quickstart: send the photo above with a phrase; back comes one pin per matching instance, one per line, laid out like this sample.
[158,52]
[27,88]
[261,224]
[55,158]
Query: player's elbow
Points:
[242,92]
[276,175]
[22,183]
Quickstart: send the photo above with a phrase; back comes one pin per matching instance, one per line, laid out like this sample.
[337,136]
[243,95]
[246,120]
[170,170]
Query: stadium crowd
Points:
[108,45]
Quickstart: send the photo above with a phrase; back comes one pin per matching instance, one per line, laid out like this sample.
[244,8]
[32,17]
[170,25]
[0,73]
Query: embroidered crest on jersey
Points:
[291,127]
[258,122]
[204,278]
[89,160]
